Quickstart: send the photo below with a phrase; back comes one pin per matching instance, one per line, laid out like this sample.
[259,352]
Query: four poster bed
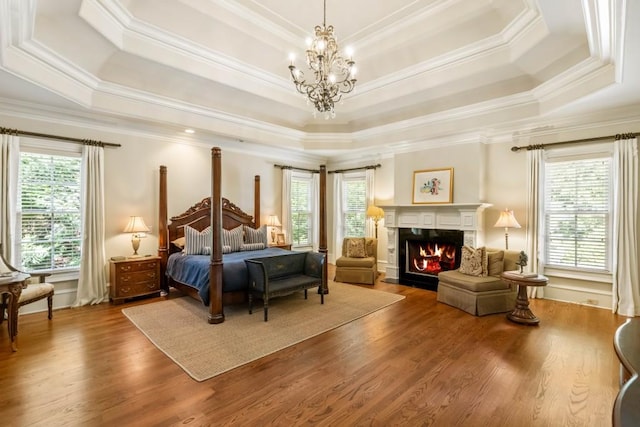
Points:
[217,279]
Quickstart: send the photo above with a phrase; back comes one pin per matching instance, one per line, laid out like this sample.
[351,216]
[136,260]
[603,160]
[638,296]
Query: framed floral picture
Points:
[280,240]
[433,186]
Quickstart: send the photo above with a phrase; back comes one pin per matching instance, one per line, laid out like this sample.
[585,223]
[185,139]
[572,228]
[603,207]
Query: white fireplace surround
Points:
[467,217]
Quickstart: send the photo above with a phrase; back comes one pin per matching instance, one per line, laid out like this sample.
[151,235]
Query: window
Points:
[578,212]
[354,204]
[49,216]
[301,207]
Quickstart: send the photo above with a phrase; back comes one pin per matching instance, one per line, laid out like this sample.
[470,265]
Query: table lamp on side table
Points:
[139,229]
[273,222]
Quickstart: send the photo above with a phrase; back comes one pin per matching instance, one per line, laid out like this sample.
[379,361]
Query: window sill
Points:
[579,275]
[61,276]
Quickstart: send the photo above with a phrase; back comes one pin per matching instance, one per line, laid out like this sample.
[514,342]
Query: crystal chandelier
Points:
[334,75]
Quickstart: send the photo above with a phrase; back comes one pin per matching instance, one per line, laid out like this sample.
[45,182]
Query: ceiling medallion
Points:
[334,75]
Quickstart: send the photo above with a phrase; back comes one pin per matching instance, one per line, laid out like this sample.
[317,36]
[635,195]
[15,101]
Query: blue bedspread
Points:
[193,270]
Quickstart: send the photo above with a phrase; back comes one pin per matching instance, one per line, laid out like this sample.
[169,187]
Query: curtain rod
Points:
[62,138]
[575,141]
[295,168]
[356,169]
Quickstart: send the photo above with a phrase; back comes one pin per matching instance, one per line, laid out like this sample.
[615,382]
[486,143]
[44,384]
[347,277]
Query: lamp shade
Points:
[273,221]
[507,220]
[375,212]
[136,225]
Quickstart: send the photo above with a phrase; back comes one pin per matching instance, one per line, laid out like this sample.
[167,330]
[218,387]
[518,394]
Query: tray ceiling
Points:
[427,69]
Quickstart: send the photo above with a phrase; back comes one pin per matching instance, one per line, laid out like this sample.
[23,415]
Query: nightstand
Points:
[286,246]
[134,277]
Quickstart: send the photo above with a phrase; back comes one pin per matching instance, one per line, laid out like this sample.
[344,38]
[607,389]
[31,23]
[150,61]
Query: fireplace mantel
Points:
[468,217]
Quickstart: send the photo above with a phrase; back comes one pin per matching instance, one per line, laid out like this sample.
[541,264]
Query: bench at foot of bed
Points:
[282,275]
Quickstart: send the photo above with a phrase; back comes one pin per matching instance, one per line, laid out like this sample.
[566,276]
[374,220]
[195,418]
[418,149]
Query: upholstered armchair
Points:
[358,263]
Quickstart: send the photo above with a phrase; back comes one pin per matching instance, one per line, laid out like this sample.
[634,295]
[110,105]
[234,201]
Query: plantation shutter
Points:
[49,217]
[301,211]
[578,213]
[355,206]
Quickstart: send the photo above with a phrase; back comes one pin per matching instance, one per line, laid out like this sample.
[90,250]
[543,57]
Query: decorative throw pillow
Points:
[495,261]
[471,261]
[179,242]
[226,249]
[355,247]
[256,235]
[233,238]
[197,242]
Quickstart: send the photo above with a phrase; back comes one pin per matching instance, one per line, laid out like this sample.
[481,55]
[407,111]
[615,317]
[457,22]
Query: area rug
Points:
[179,328]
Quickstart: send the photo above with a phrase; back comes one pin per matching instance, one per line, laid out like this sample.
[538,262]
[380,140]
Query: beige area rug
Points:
[179,328]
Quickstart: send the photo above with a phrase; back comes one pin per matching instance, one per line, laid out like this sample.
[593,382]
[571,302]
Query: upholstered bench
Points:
[284,274]
[480,294]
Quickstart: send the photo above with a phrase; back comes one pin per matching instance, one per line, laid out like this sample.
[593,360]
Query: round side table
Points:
[522,313]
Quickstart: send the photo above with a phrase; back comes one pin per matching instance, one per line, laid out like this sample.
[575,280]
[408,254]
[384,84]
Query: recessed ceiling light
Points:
[190,131]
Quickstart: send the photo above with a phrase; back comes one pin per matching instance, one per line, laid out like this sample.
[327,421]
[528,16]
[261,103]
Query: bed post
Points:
[322,247]
[216,311]
[256,200]
[163,247]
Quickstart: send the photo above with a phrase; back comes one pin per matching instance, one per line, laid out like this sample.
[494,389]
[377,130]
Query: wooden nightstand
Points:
[286,246]
[134,277]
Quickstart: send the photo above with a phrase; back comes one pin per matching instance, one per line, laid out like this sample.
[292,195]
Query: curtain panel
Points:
[626,289]
[92,282]
[535,218]
[9,167]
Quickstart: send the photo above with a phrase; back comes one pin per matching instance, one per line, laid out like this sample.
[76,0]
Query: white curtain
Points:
[287,227]
[370,230]
[337,215]
[92,283]
[9,158]
[535,218]
[315,210]
[626,289]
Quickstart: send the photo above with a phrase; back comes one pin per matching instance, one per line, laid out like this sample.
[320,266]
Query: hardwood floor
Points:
[416,362]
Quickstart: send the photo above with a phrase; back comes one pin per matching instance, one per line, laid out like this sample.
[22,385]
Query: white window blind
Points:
[49,216]
[354,205]
[578,205]
[301,210]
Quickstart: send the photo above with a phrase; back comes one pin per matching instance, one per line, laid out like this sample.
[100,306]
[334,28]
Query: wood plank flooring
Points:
[417,362]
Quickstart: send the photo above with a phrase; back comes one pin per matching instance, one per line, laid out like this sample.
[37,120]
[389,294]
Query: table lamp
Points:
[139,229]
[273,222]
[507,220]
[376,214]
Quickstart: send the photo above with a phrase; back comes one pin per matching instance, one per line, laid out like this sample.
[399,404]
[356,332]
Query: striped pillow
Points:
[252,246]
[233,238]
[197,242]
[256,235]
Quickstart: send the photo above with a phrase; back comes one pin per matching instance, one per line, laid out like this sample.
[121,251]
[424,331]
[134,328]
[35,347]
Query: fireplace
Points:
[426,252]
[466,219]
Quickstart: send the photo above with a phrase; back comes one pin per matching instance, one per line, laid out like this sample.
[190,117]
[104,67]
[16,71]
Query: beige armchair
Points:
[358,263]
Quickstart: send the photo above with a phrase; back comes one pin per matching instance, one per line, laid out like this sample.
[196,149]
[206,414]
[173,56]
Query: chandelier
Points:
[334,75]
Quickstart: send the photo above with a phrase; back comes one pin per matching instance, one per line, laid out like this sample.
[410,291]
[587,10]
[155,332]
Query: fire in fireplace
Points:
[430,258]
[426,252]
